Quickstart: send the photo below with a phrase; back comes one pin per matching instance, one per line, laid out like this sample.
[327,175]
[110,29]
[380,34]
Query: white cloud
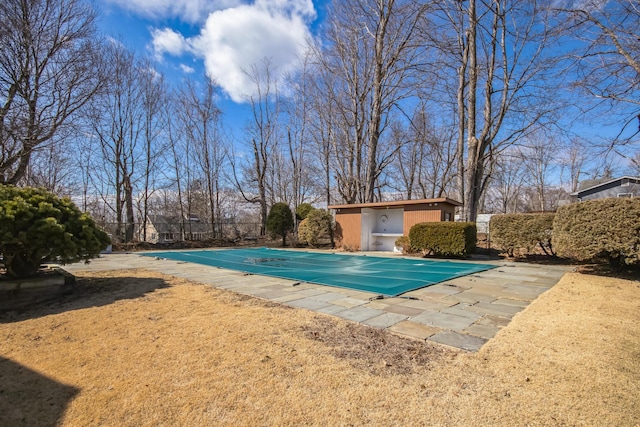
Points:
[187,10]
[236,39]
[590,6]
[115,42]
[187,69]
[294,7]
[168,41]
[153,72]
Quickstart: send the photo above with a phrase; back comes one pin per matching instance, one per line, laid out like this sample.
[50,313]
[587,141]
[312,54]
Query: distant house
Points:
[626,186]
[376,226]
[167,229]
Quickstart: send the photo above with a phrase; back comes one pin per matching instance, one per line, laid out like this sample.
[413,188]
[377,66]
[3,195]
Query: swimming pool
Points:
[381,275]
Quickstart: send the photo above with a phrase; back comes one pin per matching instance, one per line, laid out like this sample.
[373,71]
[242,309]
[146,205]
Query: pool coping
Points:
[464,312]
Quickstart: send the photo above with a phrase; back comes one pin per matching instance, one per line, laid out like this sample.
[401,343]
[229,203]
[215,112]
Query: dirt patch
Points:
[139,348]
[375,350]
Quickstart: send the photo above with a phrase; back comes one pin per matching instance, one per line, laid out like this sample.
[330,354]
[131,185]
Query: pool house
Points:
[376,226]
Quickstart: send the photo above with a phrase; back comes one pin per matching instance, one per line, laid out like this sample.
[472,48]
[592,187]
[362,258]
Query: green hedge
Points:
[606,229]
[522,232]
[456,239]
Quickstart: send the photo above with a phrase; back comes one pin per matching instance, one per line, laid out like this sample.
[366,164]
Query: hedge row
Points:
[594,230]
[606,229]
[514,232]
[456,239]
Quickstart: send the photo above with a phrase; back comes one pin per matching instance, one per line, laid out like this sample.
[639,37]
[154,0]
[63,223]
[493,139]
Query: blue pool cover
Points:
[381,275]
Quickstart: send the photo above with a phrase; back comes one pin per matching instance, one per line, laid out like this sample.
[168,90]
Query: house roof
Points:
[397,203]
[604,184]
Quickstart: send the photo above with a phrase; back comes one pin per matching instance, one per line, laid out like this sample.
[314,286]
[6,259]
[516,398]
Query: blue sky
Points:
[222,39]
[219,38]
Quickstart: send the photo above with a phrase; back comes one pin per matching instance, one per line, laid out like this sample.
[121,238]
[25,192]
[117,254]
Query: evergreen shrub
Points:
[456,239]
[303,210]
[36,226]
[280,221]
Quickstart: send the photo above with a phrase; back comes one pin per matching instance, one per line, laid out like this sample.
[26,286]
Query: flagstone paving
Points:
[464,312]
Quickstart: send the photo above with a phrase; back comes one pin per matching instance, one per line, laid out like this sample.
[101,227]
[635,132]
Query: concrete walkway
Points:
[465,312]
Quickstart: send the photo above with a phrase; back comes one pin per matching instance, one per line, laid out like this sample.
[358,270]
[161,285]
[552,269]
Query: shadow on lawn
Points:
[28,398]
[595,269]
[627,273]
[88,292]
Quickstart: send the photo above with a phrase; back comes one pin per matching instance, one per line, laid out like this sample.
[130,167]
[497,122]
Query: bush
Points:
[302,231]
[316,226]
[606,229]
[303,210]
[521,231]
[36,226]
[404,243]
[456,239]
[280,221]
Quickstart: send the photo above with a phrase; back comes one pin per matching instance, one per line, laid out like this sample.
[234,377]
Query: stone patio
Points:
[464,312]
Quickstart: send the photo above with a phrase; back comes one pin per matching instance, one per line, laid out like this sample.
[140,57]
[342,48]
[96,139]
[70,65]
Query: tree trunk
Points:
[130,225]
[472,195]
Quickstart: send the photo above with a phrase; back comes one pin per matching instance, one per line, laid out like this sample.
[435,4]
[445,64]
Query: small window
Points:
[447,216]
[625,195]
[625,183]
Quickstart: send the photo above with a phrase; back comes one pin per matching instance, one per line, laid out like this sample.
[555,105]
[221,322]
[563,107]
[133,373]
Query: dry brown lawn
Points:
[138,348]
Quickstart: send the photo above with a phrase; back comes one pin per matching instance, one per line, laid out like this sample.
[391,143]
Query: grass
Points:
[139,348]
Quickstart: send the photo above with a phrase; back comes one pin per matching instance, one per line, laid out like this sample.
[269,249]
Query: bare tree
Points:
[154,97]
[48,71]
[439,156]
[425,163]
[501,50]
[51,167]
[609,61]
[117,118]
[86,150]
[346,78]
[371,53]
[573,161]
[607,65]
[176,156]
[635,164]
[302,173]
[200,118]
[504,193]
[263,139]
[323,127]
[404,171]
[539,155]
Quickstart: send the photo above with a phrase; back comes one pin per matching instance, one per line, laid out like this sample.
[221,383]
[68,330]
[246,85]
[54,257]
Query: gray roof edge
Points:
[637,178]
